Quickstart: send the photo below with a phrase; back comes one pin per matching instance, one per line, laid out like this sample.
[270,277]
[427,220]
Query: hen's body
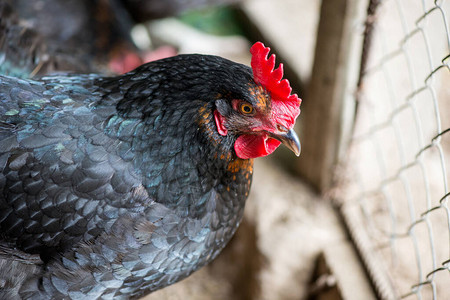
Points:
[114,187]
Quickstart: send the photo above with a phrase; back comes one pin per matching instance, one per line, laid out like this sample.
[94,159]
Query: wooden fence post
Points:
[328,110]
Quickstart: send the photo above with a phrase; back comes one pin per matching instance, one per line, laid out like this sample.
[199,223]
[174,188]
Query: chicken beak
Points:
[289,139]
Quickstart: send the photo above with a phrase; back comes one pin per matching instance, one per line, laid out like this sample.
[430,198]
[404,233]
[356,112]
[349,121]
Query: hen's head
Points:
[266,119]
[248,109]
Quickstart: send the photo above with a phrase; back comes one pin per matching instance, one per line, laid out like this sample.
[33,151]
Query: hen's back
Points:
[57,169]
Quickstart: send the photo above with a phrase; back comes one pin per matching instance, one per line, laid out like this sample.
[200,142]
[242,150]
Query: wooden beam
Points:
[328,110]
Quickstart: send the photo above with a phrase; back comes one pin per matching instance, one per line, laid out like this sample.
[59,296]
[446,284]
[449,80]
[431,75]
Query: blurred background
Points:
[363,213]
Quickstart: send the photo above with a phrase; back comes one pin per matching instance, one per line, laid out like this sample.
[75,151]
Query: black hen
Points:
[41,37]
[116,187]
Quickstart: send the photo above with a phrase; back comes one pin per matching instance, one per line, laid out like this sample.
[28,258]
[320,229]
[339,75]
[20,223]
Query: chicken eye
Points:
[246,108]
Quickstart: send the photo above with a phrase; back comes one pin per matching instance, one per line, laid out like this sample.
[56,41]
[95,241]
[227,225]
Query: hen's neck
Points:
[181,157]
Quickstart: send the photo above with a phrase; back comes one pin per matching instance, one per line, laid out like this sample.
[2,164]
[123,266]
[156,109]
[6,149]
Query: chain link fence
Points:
[397,194]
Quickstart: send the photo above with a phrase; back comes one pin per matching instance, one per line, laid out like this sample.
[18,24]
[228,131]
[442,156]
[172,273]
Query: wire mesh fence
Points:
[397,201]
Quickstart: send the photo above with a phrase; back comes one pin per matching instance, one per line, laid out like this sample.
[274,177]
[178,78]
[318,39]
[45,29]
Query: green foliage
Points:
[220,20]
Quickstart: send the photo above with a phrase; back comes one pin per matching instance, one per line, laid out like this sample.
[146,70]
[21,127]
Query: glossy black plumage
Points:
[115,187]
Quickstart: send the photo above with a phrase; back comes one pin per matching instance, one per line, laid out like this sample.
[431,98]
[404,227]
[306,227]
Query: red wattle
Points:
[252,145]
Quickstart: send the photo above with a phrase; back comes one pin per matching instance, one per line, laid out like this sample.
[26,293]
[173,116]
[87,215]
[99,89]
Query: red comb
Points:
[270,78]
